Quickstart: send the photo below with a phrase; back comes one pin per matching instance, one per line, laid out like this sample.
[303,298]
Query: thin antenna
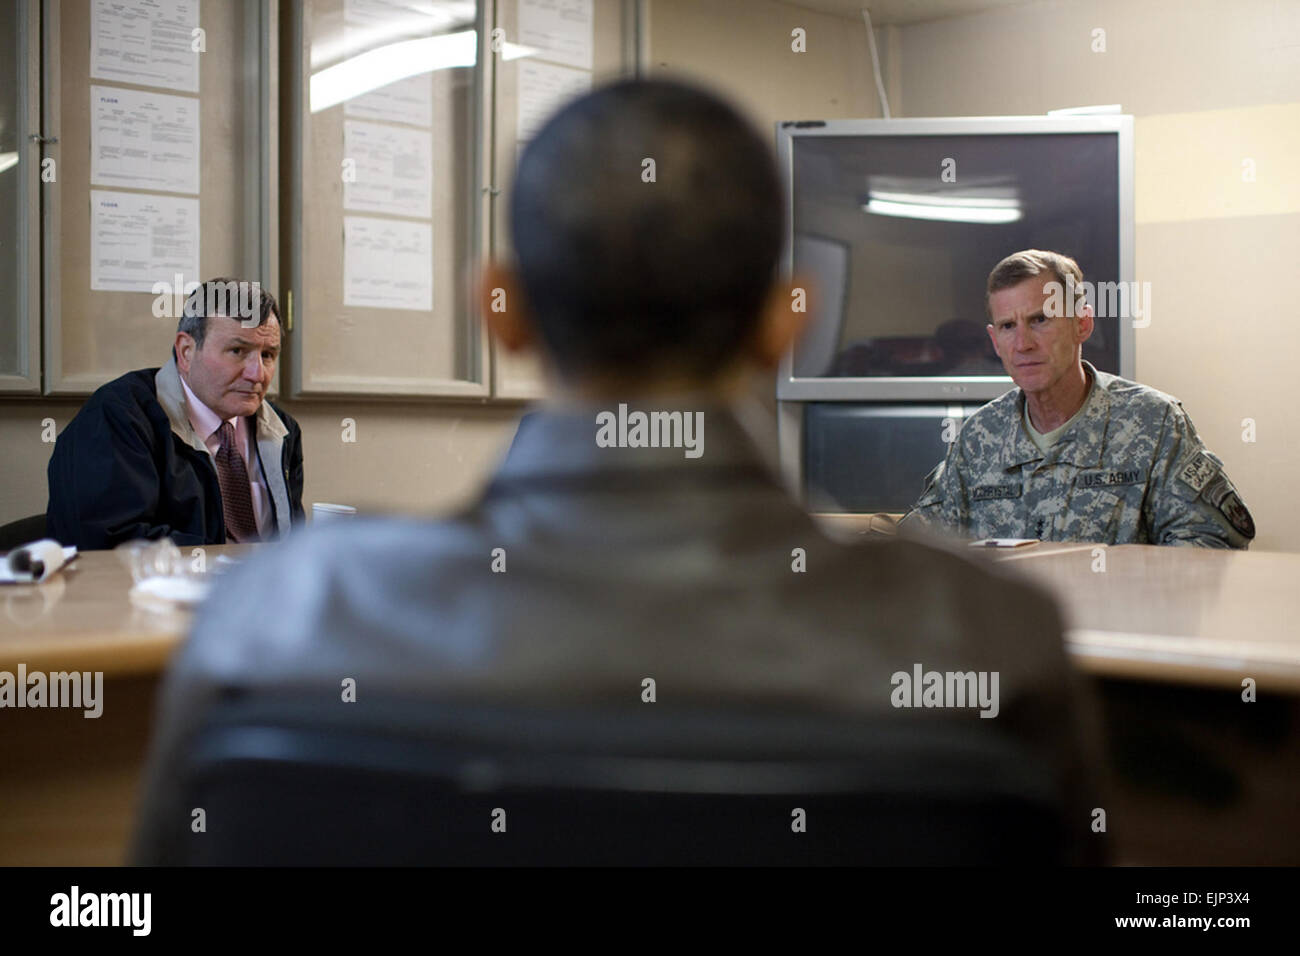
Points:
[875,64]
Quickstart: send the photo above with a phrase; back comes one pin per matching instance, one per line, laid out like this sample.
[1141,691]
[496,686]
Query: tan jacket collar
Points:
[171,396]
[271,432]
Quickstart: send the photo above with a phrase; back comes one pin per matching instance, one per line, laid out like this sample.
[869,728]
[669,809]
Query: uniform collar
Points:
[171,396]
[1081,444]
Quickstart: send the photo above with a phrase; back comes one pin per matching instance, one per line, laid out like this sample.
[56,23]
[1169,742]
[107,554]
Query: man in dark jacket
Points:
[633,541]
[191,451]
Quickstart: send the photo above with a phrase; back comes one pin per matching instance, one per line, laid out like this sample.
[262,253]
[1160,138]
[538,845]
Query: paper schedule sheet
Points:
[387,263]
[138,240]
[404,101]
[543,89]
[146,42]
[144,140]
[392,169]
[560,30]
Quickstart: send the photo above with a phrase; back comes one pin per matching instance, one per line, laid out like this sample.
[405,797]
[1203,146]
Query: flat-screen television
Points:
[897,224]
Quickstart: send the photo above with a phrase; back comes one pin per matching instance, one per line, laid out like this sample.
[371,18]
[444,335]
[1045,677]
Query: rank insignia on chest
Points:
[987,492]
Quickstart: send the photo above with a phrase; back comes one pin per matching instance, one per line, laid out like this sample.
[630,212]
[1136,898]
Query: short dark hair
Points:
[630,277]
[234,298]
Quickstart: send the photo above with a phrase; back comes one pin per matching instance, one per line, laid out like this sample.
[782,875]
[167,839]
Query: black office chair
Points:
[292,782]
[20,532]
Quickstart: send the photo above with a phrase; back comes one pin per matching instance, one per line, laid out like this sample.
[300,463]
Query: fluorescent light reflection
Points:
[978,199]
[377,68]
[953,213]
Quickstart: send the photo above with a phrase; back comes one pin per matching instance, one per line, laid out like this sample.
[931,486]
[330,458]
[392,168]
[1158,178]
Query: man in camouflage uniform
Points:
[1074,454]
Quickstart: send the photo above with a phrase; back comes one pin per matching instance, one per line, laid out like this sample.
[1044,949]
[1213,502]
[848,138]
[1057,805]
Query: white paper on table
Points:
[394,169]
[387,264]
[1003,542]
[166,593]
[560,29]
[144,140]
[543,89]
[35,562]
[137,240]
[405,101]
[146,42]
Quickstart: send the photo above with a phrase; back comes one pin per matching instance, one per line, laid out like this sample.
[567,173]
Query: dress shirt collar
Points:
[269,429]
[204,419]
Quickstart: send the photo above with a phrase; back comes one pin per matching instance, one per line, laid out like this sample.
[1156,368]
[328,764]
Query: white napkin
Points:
[34,562]
[179,592]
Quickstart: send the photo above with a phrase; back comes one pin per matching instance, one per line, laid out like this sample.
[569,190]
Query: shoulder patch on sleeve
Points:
[1222,495]
[1234,509]
[1196,474]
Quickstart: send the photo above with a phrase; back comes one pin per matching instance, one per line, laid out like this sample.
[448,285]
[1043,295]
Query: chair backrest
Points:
[20,532]
[410,783]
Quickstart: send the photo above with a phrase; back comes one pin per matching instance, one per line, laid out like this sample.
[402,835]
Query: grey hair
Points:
[234,298]
[1030,264]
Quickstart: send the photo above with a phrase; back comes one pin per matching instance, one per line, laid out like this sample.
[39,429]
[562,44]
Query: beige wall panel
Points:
[742,48]
[1162,56]
[1229,350]
[1214,179]
[406,457]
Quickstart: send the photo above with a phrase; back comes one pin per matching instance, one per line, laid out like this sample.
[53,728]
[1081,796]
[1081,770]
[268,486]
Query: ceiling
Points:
[904,11]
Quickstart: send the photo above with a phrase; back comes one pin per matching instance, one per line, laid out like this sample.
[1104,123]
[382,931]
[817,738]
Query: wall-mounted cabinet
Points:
[352,156]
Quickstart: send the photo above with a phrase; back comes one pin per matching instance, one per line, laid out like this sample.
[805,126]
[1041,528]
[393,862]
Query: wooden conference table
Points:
[1183,615]
[1168,634]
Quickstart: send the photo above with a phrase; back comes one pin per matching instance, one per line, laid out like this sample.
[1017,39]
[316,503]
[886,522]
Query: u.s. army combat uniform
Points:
[1129,470]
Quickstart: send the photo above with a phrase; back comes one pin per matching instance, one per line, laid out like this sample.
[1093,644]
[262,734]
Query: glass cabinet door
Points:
[20,173]
[386,199]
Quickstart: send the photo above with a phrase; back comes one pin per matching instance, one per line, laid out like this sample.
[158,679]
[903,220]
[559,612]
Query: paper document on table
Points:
[146,42]
[144,140]
[560,30]
[35,562]
[387,264]
[1003,542]
[137,240]
[392,171]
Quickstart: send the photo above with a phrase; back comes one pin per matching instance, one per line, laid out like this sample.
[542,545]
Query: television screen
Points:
[898,234]
[863,457]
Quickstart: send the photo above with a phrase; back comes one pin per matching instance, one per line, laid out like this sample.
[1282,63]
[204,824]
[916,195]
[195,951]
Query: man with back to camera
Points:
[1072,453]
[192,451]
[597,556]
